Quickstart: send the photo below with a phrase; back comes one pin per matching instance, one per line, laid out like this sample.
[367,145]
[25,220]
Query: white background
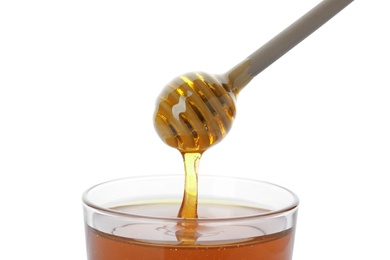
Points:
[78,84]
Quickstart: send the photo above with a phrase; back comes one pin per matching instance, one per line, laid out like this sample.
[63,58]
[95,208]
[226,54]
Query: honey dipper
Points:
[196,110]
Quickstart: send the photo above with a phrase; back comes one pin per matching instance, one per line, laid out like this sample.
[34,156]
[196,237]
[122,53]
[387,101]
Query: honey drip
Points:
[189,204]
[194,112]
[187,233]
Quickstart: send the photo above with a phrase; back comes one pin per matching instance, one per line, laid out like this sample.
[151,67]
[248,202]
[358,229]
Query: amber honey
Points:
[155,241]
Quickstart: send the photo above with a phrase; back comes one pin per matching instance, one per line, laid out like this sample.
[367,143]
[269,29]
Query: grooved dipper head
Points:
[194,112]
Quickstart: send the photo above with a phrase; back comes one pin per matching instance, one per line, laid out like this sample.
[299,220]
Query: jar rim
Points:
[87,201]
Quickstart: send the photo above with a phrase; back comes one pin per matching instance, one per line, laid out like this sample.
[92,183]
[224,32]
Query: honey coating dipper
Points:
[196,110]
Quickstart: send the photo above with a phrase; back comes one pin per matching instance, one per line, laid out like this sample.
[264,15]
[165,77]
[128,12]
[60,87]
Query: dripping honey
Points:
[194,112]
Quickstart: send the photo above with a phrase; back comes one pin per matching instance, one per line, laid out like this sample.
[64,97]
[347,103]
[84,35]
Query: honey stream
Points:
[194,112]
